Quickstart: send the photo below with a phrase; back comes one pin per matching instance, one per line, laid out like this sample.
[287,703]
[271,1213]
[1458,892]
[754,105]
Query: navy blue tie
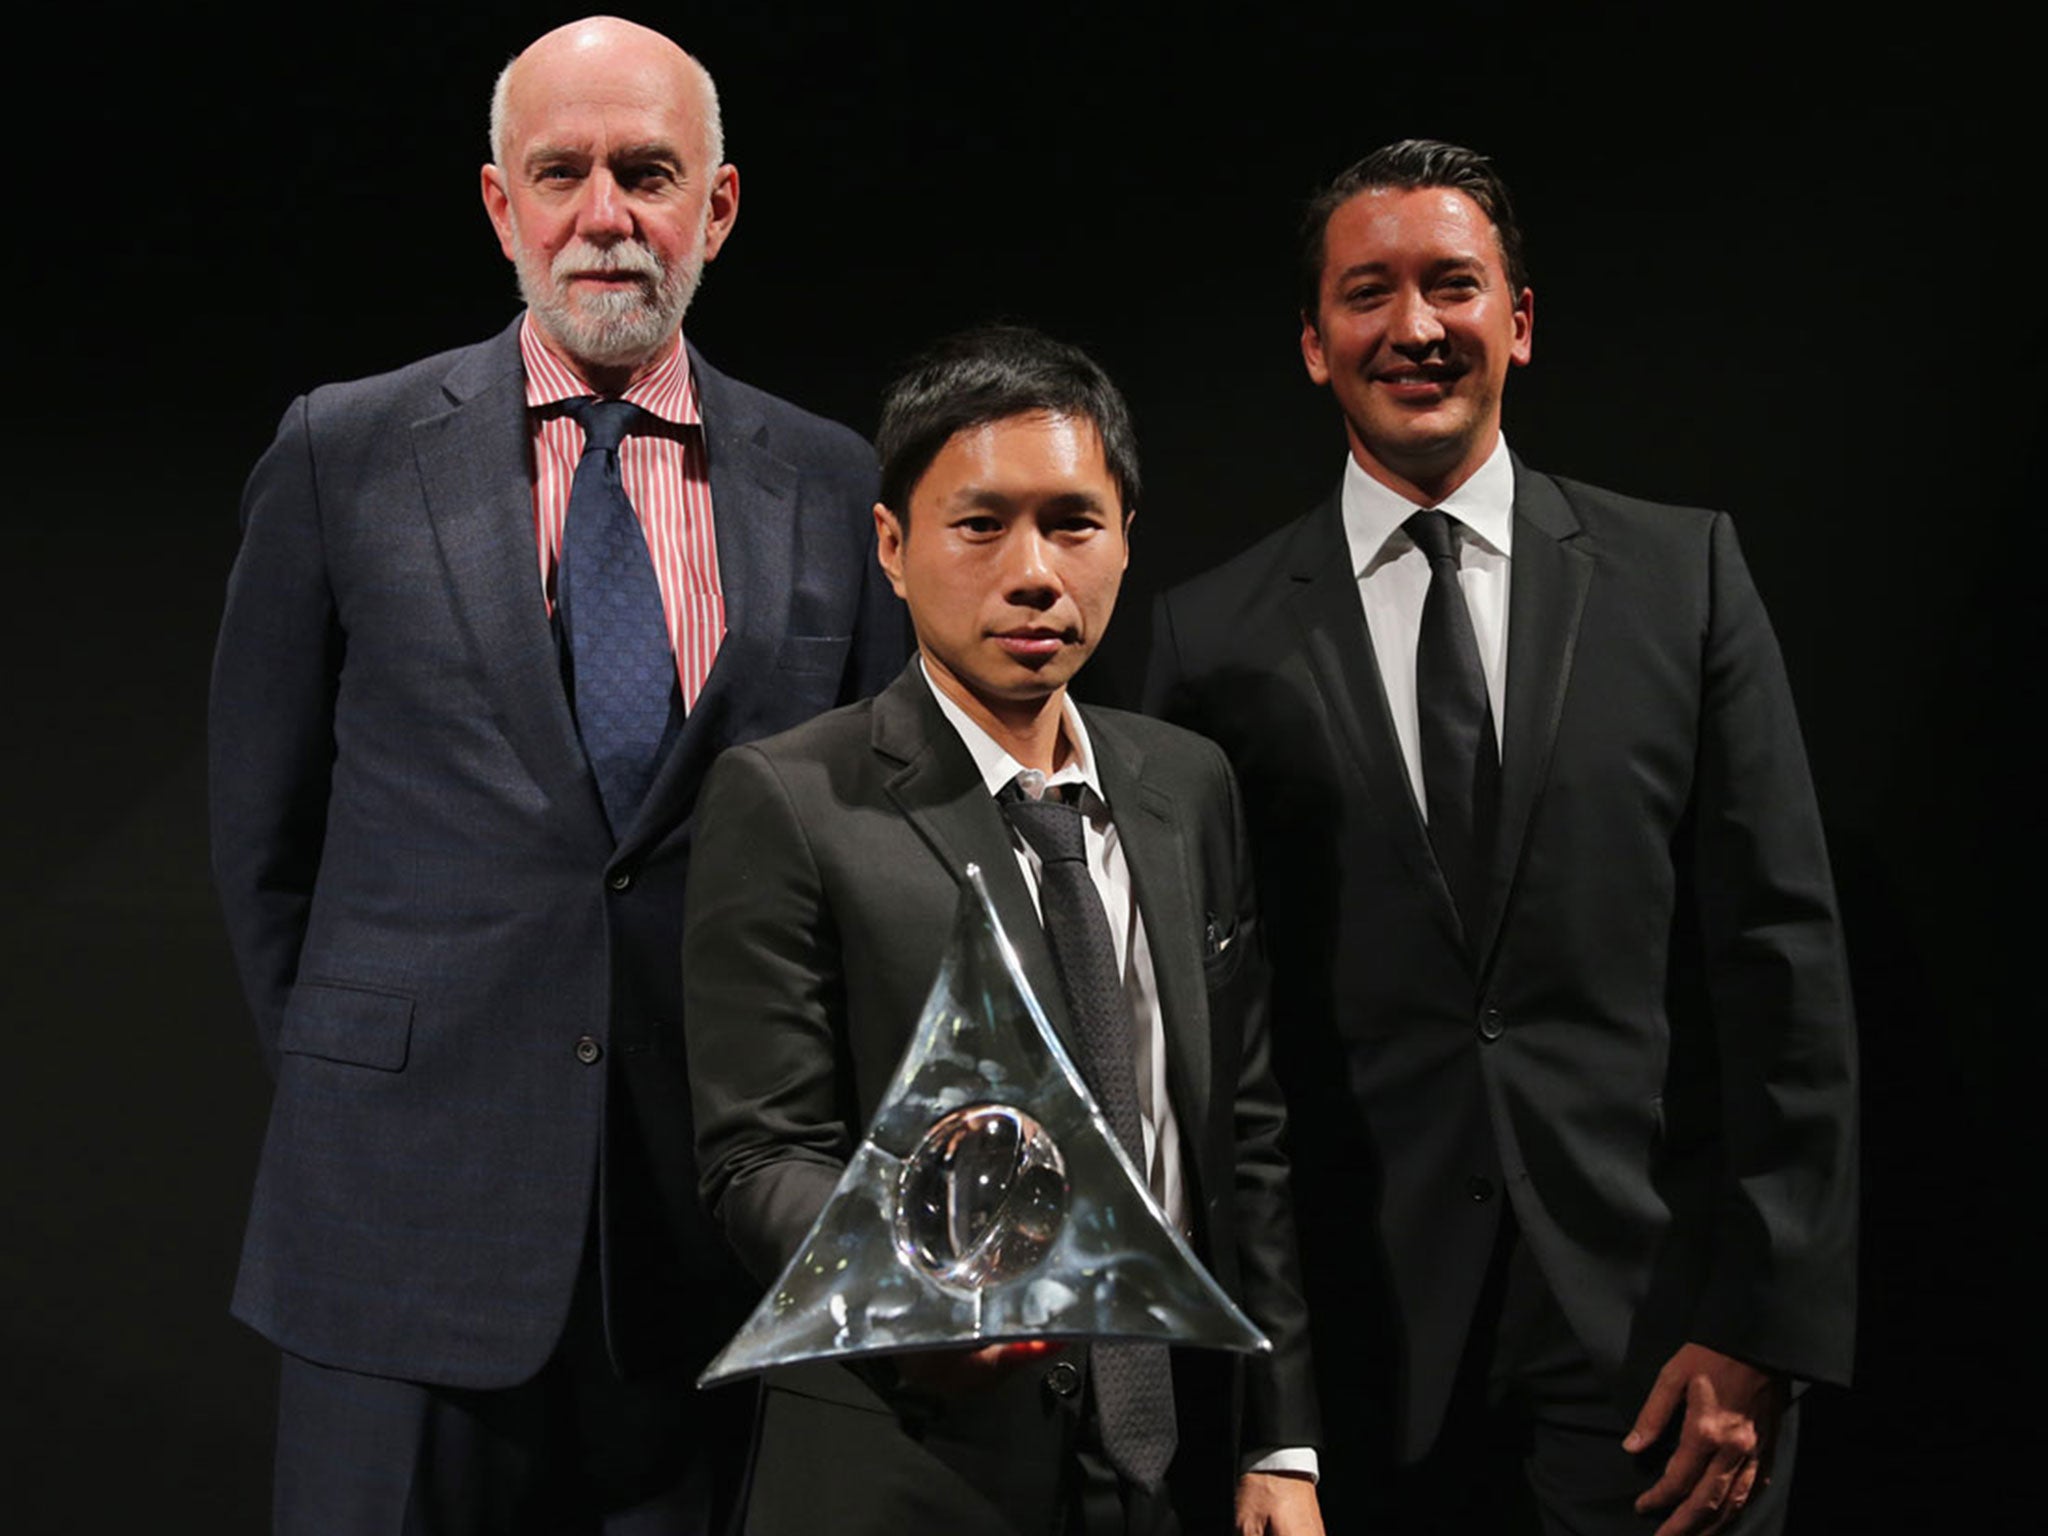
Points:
[620,666]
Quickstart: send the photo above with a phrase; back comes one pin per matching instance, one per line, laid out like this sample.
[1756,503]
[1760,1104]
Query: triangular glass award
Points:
[989,1200]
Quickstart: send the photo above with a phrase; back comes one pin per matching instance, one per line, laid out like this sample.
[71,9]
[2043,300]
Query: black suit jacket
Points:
[828,868]
[1647,1048]
[466,988]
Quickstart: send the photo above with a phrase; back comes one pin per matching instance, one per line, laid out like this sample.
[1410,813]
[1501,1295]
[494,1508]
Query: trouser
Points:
[1532,1439]
[575,1449]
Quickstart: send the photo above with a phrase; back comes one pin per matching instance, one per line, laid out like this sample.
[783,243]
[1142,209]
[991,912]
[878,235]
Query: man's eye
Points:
[647,178]
[1364,297]
[555,173]
[979,526]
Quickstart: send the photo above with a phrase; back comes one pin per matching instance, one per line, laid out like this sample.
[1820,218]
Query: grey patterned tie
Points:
[1133,1382]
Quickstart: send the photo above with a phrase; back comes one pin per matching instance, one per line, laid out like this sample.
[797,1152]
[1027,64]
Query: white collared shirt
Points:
[1393,581]
[1112,876]
[1111,873]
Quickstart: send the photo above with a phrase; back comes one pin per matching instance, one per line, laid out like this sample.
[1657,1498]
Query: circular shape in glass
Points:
[982,1198]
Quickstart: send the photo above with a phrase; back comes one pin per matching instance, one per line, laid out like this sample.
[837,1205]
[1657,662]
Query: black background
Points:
[1782,268]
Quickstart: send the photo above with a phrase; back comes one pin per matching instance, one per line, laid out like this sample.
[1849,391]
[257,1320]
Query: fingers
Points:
[1665,1396]
[1713,1471]
[1277,1504]
[1019,1352]
[1682,1474]
[1745,1484]
[1715,1501]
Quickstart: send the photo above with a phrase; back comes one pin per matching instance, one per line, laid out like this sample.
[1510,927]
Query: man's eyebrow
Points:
[550,154]
[990,499]
[650,149]
[1074,501]
[1439,264]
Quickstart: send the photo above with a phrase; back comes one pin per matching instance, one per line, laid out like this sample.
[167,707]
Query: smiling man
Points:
[1560,1006]
[828,867]
[493,616]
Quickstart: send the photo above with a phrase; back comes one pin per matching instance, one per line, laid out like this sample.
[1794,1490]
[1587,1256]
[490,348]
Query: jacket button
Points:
[1480,1188]
[1064,1379]
[620,880]
[1491,1023]
[588,1051]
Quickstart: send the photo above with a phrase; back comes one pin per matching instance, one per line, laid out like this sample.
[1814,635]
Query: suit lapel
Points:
[1548,579]
[473,463]
[753,514]
[934,783]
[1156,849]
[1339,648]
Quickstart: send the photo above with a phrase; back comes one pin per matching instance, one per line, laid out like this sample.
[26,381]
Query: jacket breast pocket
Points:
[1226,970]
[347,1024]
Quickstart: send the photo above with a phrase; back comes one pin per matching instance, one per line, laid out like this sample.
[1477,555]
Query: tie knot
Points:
[1434,533]
[1051,826]
[605,422]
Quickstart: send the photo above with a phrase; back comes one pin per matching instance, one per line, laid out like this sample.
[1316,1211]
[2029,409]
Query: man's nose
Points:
[1412,323]
[1030,575]
[604,216]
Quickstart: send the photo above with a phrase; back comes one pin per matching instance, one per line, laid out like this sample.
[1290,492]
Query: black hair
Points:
[1406,166]
[990,374]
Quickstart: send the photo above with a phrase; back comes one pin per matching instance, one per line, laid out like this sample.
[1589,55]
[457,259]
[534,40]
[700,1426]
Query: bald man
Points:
[493,616]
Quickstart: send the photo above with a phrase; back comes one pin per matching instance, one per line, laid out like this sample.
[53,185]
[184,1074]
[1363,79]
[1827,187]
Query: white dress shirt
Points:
[1393,580]
[1112,876]
[1111,873]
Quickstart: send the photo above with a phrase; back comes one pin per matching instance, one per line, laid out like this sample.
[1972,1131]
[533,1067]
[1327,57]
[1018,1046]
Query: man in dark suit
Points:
[829,863]
[1561,1009]
[452,818]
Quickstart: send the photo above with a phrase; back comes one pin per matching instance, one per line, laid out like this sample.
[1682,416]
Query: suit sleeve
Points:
[760,967]
[270,724]
[1280,1399]
[1781,1290]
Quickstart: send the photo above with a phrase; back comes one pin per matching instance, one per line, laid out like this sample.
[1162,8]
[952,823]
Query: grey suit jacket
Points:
[828,869]
[1647,1049]
[466,988]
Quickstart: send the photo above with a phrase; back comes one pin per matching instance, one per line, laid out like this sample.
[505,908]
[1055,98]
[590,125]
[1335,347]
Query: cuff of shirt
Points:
[1299,1459]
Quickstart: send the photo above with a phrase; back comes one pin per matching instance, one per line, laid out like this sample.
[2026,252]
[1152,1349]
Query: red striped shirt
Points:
[667,478]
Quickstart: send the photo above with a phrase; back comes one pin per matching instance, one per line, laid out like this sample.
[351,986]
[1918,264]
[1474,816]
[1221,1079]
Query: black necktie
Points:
[621,668]
[1460,752]
[1133,1382]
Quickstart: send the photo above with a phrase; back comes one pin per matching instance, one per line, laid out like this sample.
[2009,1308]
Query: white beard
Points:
[616,329]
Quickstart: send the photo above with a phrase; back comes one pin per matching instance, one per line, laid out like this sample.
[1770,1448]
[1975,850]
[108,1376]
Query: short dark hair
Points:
[1406,166]
[989,374]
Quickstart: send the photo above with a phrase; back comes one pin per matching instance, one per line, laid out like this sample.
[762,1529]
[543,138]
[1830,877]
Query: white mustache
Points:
[628,256]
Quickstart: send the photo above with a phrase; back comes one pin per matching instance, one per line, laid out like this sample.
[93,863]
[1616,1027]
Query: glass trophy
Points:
[988,1202]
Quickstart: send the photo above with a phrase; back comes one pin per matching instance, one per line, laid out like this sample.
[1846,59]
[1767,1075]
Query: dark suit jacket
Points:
[461,982]
[828,870]
[1647,1048]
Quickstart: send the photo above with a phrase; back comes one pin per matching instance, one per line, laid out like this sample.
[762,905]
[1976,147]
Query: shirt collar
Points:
[997,767]
[1373,514]
[668,391]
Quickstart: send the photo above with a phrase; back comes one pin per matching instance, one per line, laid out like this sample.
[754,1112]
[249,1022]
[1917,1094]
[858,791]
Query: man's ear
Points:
[1312,349]
[498,204]
[889,534]
[721,210]
[1525,328]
